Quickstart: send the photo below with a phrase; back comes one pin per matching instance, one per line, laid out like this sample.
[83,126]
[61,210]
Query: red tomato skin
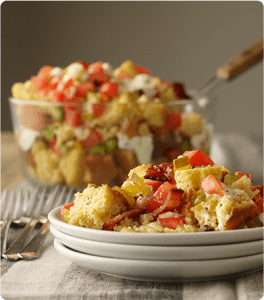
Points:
[142,70]
[98,109]
[56,96]
[155,184]
[109,89]
[159,197]
[171,222]
[173,121]
[212,185]
[239,175]
[53,146]
[198,158]
[83,88]
[258,200]
[92,140]
[73,116]
[84,64]
[65,206]
[97,73]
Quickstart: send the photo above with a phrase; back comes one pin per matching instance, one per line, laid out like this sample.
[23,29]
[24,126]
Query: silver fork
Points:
[33,249]
[30,218]
[13,204]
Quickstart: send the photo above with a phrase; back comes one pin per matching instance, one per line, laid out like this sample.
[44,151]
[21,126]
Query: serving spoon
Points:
[233,68]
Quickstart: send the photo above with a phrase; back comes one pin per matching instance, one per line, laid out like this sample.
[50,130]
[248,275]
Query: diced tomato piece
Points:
[73,116]
[44,92]
[224,173]
[198,158]
[122,75]
[258,187]
[64,85]
[83,88]
[54,82]
[65,206]
[159,197]
[56,96]
[92,140]
[84,64]
[97,73]
[171,222]
[45,71]
[141,202]
[212,185]
[98,109]
[109,89]
[258,200]
[239,175]
[173,121]
[155,184]
[142,70]
[53,146]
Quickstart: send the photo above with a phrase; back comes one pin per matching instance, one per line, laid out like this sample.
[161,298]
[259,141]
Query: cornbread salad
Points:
[190,194]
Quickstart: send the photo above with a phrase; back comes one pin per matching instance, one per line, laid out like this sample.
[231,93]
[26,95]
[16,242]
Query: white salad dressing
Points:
[141,82]
[142,145]
[27,138]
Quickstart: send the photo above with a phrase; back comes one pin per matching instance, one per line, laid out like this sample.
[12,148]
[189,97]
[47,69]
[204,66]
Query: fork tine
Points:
[70,195]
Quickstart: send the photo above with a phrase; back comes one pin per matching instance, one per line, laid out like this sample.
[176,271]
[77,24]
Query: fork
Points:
[13,205]
[30,218]
[33,249]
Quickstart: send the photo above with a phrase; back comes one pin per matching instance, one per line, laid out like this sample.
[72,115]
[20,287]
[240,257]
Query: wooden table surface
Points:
[11,171]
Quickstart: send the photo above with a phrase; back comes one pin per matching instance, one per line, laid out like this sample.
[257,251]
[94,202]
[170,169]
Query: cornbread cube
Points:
[192,124]
[63,133]
[192,177]
[72,166]
[47,163]
[126,159]
[244,183]
[99,168]
[127,67]
[95,206]
[154,113]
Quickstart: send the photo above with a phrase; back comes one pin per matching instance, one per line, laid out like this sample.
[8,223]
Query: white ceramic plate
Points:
[158,239]
[150,270]
[158,252]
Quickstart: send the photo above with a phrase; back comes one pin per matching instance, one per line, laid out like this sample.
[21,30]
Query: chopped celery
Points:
[65,148]
[230,178]
[181,163]
[110,145]
[49,132]
[100,148]
[60,115]
[199,199]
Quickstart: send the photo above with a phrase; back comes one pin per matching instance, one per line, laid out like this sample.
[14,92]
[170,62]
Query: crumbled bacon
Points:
[179,90]
[186,203]
[132,214]
[162,172]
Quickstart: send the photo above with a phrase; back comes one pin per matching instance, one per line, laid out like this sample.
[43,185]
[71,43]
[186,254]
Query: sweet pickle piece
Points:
[181,163]
[199,199]
[130,199]
[141,184]
[132,189]
[230,178]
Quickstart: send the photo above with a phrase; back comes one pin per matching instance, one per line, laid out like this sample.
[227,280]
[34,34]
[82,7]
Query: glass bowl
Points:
[77,144]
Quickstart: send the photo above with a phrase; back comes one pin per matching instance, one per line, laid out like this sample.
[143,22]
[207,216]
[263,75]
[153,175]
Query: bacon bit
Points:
[186,203]
[258,187]
[162,172]
[172,201]
[179,90]
[133,213]
[141,202]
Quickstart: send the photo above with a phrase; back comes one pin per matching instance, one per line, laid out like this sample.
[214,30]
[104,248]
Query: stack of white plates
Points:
[160,256]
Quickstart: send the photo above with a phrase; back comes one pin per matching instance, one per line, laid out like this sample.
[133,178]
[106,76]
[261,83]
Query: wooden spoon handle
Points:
[241,62]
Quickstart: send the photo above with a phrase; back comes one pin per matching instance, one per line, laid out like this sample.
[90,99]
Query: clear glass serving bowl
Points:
[77,144]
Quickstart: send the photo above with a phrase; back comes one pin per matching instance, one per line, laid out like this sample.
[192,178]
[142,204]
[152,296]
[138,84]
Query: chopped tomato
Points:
[84,64]
[98,109]
[45,71]
[171,222]
[97,73]
[155,184]
[141,202]
[173,121]
[109,89]
[198,158]
[212,185]
[258,200]
[142,70]
[54,82]
[239,175]
[258,187]
[92,140]
[56,96]
[64,85]
[44,92]
[159,197]
[83,88]
[53,146]
[65,206]
[122,75]
[73,116]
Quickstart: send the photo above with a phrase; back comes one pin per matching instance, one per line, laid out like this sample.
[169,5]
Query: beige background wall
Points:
[177,40]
